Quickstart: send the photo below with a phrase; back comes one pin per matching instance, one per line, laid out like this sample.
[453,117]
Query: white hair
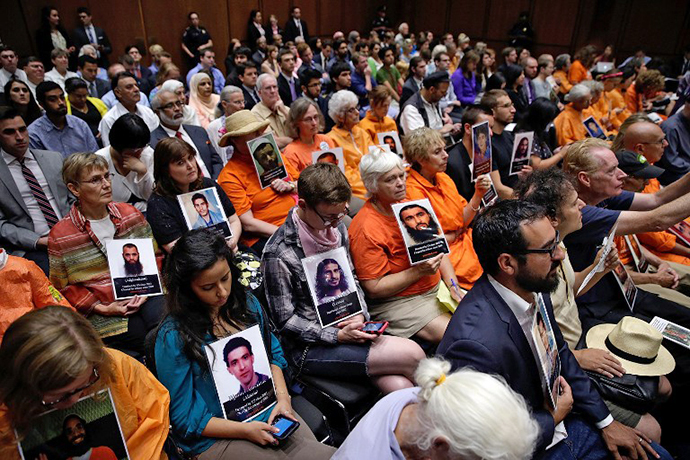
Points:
[171,85]
[157,100]
[402,26]
[229,91]
[340,102]
[374,165]
[594,86]
[577,92]
[438,49]
[87,49]
[262,78]
[477,414]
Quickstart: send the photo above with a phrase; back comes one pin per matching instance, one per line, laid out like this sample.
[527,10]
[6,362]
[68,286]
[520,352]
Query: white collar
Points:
[9,158]
[516,303]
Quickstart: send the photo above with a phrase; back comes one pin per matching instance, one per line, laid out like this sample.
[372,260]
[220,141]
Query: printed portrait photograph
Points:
[133,267]
[392,140]
[334,156]
[267,160]
[202,209]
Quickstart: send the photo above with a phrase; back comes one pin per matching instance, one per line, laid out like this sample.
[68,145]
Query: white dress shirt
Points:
[40,225]
[213,131]
[55,76]
[411,119]
[187,139]
[125,186]
[117,111]
[5,76]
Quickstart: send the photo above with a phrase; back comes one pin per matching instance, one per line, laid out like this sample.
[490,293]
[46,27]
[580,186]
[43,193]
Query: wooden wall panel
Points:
[561,25]
[467,16]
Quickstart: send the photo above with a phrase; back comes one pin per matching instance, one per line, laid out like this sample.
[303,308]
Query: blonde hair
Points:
[578,157]
[43,351]
[478,414]
[78,163]
[419,142]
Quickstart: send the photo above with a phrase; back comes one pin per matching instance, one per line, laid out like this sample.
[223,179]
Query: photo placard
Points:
[522,151]
[90,427]
[241,372]
[133,268]
[481,149]
[547,350]
[626,284]
[202,209]
[682,232]
[332,286]
[490,197]
[420,229]
[267,159]
[392,140]
[334,156]
[593,128]
[641,262]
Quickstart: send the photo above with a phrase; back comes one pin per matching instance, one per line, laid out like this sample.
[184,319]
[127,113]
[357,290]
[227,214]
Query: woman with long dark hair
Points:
[539,118]
[206,302]
[19,96]
[255,29]
[52,35]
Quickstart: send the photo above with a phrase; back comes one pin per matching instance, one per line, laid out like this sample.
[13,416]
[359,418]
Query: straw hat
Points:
[636,344]
[241,123]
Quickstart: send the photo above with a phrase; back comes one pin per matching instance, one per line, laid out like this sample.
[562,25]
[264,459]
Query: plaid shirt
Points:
[79,265]
[287,291]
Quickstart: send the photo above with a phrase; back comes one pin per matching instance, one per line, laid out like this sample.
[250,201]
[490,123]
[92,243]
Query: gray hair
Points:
[578,92]
[340,102]
[87,49]
[297,111]
[229,91]
[157,101]
[374,165]
[594,86]
[262,78]
[478,414]
[171,85]
[438,49]
[561,61]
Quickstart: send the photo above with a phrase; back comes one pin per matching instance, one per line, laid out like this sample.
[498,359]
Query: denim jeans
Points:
[584,441]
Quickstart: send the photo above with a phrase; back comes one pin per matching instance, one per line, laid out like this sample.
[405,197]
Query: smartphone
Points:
[286,426]
[375,327]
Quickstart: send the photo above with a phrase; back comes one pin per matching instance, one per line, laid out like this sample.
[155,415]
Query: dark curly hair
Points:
[547,188]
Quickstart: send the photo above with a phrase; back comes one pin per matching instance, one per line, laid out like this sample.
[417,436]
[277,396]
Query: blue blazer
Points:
[202,143]
[485,334]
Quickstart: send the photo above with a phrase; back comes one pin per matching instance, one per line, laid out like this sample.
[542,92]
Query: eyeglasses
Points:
[661,142]
[92,381]
[506,106]
[332,221]
[98,180]
[550,250]
[170,105]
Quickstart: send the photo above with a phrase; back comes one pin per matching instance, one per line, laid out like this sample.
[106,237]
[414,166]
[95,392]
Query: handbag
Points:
[633,392]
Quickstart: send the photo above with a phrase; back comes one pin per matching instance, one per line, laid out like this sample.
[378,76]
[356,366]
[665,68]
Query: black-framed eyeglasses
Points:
[332,221]
[550,250]
[92,381]
[170,105]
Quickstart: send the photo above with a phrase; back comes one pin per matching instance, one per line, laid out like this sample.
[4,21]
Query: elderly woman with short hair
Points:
[397,292]
[569,126]
[346,134]
[304,122]
[78,262]
[426,178]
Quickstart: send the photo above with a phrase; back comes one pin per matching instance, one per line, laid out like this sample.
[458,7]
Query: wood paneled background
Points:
[661,27]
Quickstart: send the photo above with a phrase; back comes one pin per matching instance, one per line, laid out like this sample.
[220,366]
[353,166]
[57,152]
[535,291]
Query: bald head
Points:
[645,138]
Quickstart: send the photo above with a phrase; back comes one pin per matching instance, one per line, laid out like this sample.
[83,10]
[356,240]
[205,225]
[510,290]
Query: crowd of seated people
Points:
[505,340]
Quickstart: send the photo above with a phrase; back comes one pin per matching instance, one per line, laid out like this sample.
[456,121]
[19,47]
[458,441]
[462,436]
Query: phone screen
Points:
[372,327]
[283,424]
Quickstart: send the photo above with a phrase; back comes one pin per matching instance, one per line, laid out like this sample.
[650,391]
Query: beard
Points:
[424,234]
[134,269]
[529,282]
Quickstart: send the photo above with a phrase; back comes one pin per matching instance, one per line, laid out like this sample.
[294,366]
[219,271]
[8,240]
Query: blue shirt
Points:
[193,397]
[676,157]
[76,136]
[358,87]
[597,222]
[214,218]
[218,78]
[109,99]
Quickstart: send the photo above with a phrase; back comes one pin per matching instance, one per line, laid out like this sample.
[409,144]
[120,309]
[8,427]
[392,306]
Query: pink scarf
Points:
[316,241]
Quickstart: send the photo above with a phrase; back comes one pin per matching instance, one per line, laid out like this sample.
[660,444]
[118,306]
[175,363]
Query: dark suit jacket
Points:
[410,88]
[202,143]
[44,45]
[102,87]
[284,90]
[485,334]
[458,170]
[291,31]
[16,227]
[249,102]
[253,35]
[148,81]
[80,38]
